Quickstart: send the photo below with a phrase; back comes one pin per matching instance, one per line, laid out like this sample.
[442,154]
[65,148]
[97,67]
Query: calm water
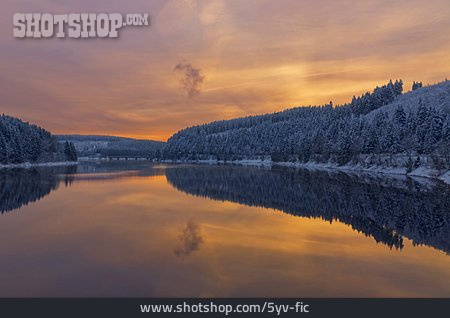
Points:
[136,229]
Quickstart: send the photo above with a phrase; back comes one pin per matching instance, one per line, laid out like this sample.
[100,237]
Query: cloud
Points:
[258,56]
[190,239]
[192,79]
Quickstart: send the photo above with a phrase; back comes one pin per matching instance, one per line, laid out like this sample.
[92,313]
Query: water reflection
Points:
[19,187]
[190,240]
[386,209]
[123,229]
[383,208]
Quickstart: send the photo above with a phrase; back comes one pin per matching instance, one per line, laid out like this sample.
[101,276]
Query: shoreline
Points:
[421,172]
[28,165]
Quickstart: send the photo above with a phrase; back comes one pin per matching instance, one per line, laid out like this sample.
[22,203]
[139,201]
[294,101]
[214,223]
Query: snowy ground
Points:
[421,172]
[28,165]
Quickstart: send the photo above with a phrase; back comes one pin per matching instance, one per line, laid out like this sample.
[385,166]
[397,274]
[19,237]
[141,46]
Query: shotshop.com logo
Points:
[74,25]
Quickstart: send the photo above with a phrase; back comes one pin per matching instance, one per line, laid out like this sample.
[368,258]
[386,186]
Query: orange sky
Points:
[256,56]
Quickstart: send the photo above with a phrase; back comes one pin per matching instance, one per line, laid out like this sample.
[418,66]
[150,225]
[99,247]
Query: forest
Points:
[112,146]
[21,142]
[375,127]
[385,127]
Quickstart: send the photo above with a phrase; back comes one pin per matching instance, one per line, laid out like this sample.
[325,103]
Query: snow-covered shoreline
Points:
[421,172]
[27,165]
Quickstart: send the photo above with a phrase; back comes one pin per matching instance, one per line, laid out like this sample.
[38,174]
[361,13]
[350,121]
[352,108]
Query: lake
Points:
[158,230]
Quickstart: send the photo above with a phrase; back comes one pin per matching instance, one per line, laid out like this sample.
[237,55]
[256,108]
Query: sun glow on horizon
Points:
[240,59]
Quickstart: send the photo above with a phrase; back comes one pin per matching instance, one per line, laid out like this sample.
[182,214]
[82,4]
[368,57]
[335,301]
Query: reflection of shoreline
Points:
[385,209]
[19,186]
[28,165]
[424,173]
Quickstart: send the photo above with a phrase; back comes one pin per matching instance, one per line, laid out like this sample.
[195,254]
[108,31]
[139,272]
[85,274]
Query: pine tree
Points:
[422,128]
[398,87]
[3,150]
[17,152]
[399,126]
[416,85]
[73,152]
[36,148]
[436,128]
[67,151]
[400,116]
[344,148]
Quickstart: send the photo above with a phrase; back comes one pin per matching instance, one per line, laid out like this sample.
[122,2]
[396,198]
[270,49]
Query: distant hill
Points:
[102,146]
[21,142]
[384,122]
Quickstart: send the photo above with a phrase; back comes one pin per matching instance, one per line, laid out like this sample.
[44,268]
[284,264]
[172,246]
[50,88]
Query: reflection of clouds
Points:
[190,239]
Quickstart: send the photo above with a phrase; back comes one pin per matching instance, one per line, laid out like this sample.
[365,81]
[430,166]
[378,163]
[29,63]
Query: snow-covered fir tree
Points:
[22,142]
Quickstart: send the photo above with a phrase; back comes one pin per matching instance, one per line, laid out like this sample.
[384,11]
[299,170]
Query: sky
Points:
[200,61]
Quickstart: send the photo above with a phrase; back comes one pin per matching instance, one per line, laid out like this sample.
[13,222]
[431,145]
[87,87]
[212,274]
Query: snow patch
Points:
[421,172]
[28,165]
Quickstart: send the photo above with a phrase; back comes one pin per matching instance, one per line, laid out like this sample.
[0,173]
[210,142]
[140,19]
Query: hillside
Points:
[103,146]
[378,125]
[21,142]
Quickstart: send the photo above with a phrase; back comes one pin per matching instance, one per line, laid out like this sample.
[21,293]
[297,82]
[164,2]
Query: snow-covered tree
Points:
[377,123]
[22,142]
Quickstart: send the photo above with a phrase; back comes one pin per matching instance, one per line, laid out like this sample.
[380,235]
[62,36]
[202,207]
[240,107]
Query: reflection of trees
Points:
[109,170]
[190,239]
[381,208]
[385,209]
[141,168]
[19,187]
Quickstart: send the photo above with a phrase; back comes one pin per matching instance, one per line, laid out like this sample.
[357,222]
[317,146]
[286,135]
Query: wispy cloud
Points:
[192,78]
[236,58]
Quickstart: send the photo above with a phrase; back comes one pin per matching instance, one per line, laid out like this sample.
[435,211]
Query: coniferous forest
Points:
[384,127]
[374,128]
[112,146]
[21,142]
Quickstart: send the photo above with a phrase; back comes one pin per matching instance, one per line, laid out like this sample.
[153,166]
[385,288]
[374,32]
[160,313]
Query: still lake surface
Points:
[142,229]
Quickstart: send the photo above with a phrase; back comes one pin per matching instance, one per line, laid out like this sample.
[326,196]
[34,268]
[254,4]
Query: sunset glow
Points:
[256,57]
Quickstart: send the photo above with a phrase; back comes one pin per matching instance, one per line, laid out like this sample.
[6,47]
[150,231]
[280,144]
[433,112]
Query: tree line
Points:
[375,125]
[22,142]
